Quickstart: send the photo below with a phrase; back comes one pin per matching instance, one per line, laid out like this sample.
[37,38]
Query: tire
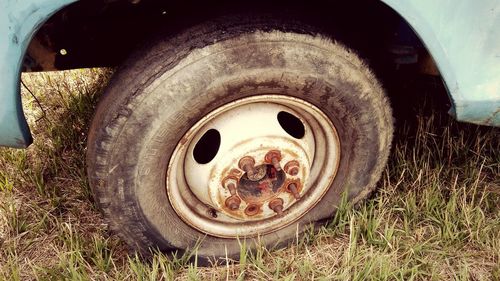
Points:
[166,88]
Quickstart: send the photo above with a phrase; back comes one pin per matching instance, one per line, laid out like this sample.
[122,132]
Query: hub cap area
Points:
[253,166]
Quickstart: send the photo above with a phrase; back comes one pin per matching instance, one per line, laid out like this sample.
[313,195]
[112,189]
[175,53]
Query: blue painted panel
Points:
[463,36]
[19,21]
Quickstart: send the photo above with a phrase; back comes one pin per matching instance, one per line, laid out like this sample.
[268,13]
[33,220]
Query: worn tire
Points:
[165,88]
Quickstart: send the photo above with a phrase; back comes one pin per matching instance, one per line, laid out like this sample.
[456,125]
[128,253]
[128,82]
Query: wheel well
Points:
[104,33]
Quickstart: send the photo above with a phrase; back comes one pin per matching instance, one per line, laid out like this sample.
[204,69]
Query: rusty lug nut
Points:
[276,163]
[252,209]
[292,168]
[233,202]
[277,206]
[247,164]
[274,157]
[292,188]
[232,188]
[230,183]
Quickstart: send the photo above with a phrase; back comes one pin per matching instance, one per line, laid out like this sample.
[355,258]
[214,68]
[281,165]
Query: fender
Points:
[464,43]
[19,21]
[463,37]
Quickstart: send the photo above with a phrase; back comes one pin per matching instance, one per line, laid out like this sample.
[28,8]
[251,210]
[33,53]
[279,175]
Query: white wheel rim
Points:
[250,127]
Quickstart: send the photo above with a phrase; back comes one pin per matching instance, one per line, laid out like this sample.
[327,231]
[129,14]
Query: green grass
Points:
[436,214]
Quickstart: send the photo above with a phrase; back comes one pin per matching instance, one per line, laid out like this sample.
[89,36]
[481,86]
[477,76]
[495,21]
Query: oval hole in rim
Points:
[207,147]
[291,124]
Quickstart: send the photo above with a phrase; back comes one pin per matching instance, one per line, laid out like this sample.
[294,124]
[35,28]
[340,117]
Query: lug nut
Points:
[274,157]
[252,209]
[230,183]
[276,163]
[277,206]
[232,188]
[292,188]
[247,164]
[233,202]
[292,168]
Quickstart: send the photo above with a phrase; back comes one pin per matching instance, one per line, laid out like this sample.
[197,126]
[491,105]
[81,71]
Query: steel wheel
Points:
[277,156]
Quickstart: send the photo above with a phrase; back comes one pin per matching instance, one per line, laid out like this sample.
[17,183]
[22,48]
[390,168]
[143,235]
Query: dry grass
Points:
[436,215]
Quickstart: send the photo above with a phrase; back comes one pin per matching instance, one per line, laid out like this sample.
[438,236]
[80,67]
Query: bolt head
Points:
[293,189]
[292,168]
[276,205]
[246,160]
[230,182]
[252,209]
[272,154]
[233,202]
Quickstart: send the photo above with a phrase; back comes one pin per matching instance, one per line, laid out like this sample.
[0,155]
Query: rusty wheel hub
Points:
[264,173]
[258,191]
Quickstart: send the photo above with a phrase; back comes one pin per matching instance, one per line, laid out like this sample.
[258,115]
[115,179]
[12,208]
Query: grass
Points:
[436,214]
